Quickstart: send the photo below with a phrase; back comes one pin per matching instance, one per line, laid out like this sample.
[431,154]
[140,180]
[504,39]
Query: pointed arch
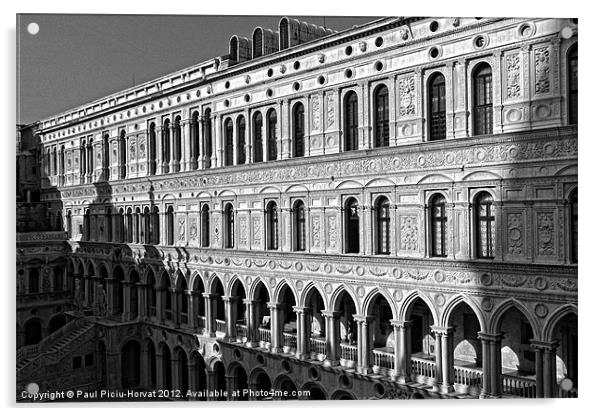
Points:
[232,288]
[501,309]
[554,318]
[370,298]
[454,303]
[255,287]
[410,300]
[281,289]
[303,297]
[337,295]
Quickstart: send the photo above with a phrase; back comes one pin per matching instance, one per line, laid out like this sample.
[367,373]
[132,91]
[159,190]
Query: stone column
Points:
[445,358]
[112,287]
[303,328]
[545,368]
[159,367]
[231,386]
[216,138]
[252,326]
[229,306]
[126,315]
[333,335]
[275,326]
[142,300]
[192,379]
[492,364]
[176,382]
[438,357]
[193,308]
[403,364]
[364,347]
[210,300]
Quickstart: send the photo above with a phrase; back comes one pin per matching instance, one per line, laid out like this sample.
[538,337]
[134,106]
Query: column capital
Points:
[209,295]
[301,309]
[401,324]
[330,314]
[229,298]
[490,337]
[362,318]
[548,346]
[251,302]
[188,292]
[273,305]
[442,330]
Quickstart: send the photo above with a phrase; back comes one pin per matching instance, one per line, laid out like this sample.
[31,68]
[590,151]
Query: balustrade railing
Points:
[220,326]
[317,345]
[290,341]
[471,377]
[265,336]
[348,352]
[242,331]
[518,386]
[384,358]
[423,367]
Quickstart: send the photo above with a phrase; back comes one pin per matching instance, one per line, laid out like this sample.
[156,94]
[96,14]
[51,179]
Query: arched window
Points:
[166,145]
[122,155]
[207,137]
[129,225]
[298,130]
[109,223]
[299,226]
[482,100]
[121,226]
[257,43]
[137,226]
[59,220]
[438,222]
[54,170]
[177,138]
[90,157]
[272,147]
[436,108]
[350,121]
[228,226]
[34,281]
[194,139]
[155,226]
[229,145]
[573,101]
[82,159]
[170,226]
[352,226]
[152,148]
[69,224]
[484,226]
[257,137]
[87,225]
[381,116]
[574,226]
[284,38]
[146,237]
[105,157]
[383,226]
[205,225]
[271,223]
[242,140]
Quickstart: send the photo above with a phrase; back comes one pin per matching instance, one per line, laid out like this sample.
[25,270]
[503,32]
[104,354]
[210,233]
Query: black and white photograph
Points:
[288,207]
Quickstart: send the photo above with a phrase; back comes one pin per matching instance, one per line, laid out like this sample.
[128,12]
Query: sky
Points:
[75,59]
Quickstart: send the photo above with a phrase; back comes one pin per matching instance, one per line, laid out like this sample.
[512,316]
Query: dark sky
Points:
[75,59]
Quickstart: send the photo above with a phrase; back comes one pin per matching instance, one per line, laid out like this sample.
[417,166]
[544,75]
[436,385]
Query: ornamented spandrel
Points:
[513,78]
[542,70]
[407,96]
[515,234]
[545,234]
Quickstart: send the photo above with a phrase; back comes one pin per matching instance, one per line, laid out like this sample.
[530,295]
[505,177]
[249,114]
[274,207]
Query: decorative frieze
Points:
[407,96]
[545,234]
[513,76]
[316,241]
[408,228]
[515,234]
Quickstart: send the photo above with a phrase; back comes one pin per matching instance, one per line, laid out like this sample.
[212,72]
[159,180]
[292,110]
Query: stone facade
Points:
[165,189]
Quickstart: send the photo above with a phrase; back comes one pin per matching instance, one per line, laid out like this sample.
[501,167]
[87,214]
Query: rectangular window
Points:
[77,362]
[89,360]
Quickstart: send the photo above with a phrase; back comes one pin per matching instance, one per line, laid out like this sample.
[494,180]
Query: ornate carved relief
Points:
[315,232]
[513,79]
[330,109]
[315,111]
[407,96]
[181,229]
[256,231]
[542,70]
[515,234]
[545,234]
[408,233]
[243,230]
[193,228]
[332,232]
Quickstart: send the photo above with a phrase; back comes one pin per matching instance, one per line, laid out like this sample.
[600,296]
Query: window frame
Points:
[442,222]
[489,219]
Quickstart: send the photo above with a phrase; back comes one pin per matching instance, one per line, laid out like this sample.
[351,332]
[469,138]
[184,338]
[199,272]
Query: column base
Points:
[331,363]
[364,370]
[446,388]
[251,344]
[302,356]
[276,350]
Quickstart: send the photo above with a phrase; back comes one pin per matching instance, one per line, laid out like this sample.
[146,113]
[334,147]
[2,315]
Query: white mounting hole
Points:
[33,28]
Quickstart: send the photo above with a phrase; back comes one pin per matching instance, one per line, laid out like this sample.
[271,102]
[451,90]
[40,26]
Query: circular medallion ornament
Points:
[397,295]
[486,279]
[439,276]
[421,160]
[487,304]
[360,291]
[226,261]
[298,266]
[248,262]
[299,284]
[360,270]
[396,273]
[249,279]
[328,268]
[273,282]
[272,264]
[540,283]
[439,299]
[328,288]
[541,310]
